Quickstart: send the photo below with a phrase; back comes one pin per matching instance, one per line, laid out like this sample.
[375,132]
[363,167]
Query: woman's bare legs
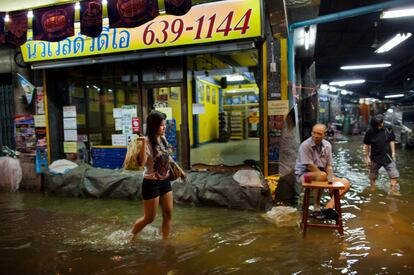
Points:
[166,202]
[347,185]
[150,212]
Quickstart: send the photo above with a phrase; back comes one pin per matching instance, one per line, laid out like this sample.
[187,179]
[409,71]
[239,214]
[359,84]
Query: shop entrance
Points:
[225,121]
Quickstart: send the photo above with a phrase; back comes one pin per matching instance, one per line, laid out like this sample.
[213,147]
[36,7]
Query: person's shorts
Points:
[391,169]
[155,188]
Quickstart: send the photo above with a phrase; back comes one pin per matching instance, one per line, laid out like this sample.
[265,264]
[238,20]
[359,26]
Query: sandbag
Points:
[61,166]
[248,178]
[11,174]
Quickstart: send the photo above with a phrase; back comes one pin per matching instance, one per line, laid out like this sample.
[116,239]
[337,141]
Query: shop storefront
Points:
[181,65]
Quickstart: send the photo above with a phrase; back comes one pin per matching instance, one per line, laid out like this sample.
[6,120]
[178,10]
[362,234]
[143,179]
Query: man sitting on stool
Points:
[315,158]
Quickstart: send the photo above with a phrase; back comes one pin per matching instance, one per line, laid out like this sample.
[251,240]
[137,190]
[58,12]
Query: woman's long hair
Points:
[154,121]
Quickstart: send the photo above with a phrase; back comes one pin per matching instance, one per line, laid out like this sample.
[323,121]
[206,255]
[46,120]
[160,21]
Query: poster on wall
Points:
[24,133]
[136,125]
[41,151]
[171,136]
[40,105]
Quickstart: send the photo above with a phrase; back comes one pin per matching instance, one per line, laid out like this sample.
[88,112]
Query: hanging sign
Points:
[136,125]
[28,87]
[205,23]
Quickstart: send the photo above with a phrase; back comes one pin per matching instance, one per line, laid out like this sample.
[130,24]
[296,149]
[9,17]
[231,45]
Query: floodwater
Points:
[40,234]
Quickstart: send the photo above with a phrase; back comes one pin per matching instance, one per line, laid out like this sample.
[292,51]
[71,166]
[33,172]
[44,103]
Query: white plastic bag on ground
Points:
[11,174]
[61,166]
[248,178]
[283,216]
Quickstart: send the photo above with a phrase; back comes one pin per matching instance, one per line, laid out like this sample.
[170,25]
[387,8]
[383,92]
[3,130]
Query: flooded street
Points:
[41,234]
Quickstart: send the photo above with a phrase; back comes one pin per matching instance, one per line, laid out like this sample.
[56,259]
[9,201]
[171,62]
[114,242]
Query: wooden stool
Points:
[335,187]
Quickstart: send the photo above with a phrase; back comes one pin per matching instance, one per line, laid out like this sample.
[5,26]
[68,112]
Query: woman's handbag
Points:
[175,171]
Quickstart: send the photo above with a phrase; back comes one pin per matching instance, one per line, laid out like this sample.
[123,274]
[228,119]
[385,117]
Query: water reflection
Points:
[50,235]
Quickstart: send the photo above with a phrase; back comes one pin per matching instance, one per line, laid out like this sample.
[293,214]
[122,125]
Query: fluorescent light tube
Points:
[347,82]
[307,38]
[397,13]
[324,87]
[399,38]
[234,77]
[367,66]
[394,96]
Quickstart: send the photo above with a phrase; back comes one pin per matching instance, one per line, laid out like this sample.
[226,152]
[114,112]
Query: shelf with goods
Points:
[237,122]
[246,109]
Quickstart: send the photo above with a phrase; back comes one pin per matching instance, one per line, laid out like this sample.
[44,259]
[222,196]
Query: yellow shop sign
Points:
[205,23]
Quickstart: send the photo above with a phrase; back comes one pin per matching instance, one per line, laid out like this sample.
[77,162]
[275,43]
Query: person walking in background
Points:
[379,143]
[156,187]
[315,158]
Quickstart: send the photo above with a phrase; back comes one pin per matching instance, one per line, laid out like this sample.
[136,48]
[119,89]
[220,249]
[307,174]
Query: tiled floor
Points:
[230,153]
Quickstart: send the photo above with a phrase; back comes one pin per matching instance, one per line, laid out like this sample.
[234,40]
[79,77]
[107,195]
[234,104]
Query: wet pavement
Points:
[40,234]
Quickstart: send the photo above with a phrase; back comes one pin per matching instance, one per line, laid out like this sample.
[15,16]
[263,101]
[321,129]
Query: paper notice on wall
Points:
[70,147]
[126,129]
[118,124]
[69,111]
[278,107]
[69,123]
[40,105]
[198,109]
[129,110]
[40,120]
[70,135]
[166,110]
[117,112]
[119,140]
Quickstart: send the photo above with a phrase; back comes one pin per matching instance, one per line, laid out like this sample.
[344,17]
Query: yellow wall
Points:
[208,122]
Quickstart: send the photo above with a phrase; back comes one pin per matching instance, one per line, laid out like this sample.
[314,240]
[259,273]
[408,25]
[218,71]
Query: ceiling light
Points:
[234,77]
[344,92]
[307,38]
[347,82]
[399,38]
[324,87]
[397,13]
[367,66]
[394,96]
[333,89]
